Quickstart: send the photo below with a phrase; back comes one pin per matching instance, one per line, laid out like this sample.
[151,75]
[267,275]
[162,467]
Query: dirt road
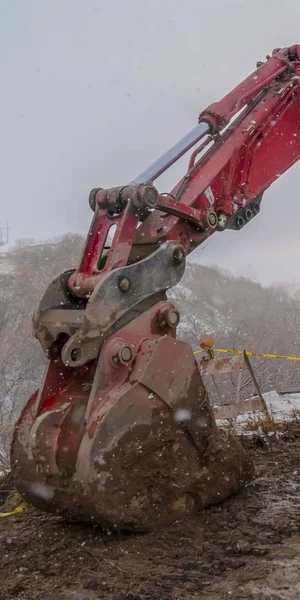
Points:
[246,548]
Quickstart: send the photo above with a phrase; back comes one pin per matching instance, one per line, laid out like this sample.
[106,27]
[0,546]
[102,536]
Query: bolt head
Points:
[178,255]
[124,284]
[151,196]
[173,318]
[212,219]
[125,354]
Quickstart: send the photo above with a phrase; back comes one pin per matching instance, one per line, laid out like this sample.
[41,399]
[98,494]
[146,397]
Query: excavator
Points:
[121,432]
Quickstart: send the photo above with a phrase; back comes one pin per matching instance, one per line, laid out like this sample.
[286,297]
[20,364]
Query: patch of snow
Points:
[283,408]
[184,292]
[5,248]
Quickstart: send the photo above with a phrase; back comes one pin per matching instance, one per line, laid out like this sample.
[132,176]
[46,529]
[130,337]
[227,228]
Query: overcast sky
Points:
[92,91]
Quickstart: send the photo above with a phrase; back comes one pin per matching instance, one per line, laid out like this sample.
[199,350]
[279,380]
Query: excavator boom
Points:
[121,431]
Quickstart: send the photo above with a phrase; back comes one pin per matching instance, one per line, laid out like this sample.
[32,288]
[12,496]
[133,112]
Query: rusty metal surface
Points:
[220,366]
[145,452]
[111,299]
[84,323]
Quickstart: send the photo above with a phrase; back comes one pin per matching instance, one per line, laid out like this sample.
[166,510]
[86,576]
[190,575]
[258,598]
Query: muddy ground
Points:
[246,548]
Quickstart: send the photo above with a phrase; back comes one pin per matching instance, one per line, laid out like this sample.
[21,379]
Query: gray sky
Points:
[92,91]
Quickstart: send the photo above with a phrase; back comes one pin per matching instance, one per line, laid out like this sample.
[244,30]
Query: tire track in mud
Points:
[246,548]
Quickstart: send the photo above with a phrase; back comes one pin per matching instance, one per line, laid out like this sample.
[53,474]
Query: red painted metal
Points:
[171,206]
[221,112]
[245,161]
[84,280]
[72,404]
[262,144]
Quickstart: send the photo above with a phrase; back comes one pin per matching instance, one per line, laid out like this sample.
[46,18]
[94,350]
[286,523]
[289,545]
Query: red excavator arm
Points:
[121,430]
[223,189]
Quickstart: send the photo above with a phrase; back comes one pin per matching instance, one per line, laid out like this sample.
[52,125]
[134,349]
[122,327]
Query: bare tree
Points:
[21,359]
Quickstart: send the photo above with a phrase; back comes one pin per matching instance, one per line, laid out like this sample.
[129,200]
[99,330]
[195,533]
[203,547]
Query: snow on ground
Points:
[282,408]
[183,292]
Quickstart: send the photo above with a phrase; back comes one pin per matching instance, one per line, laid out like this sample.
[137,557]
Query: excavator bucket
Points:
[128,441]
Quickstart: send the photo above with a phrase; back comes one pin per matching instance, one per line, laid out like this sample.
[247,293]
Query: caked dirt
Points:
[248,547]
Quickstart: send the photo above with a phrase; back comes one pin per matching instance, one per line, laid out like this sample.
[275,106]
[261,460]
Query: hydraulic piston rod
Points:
[172,155]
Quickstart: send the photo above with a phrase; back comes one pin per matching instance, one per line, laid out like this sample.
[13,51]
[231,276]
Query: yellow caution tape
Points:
[22,508]
[253,354]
